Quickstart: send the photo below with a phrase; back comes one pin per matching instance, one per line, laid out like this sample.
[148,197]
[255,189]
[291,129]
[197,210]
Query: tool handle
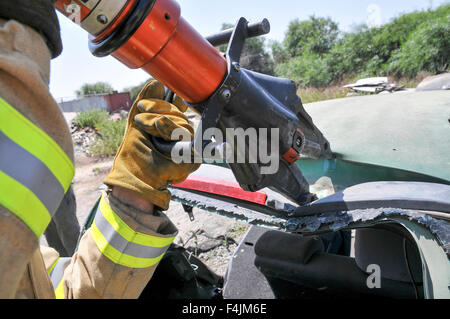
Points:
[253,30]
[166,148]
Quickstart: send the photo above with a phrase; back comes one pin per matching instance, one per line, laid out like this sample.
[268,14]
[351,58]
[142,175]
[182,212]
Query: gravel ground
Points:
[213,238]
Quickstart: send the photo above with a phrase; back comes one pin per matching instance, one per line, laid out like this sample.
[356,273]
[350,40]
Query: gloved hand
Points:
[138,166]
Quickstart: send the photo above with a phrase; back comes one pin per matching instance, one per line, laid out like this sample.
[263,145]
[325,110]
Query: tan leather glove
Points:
[138,166]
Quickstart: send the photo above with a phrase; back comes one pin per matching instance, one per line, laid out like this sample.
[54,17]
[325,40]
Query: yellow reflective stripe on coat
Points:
[57,276]
[24,204]
[37,142]
[34,171]
[121,244]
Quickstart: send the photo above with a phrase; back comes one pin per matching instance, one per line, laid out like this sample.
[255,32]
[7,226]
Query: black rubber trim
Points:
[124,31]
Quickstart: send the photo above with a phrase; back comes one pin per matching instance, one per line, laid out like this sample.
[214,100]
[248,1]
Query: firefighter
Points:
[117,256]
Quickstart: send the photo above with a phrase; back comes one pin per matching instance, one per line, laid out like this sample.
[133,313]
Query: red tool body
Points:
[153,36]
[163,44]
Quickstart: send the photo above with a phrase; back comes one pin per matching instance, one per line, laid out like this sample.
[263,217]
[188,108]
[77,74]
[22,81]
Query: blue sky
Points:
[77,66]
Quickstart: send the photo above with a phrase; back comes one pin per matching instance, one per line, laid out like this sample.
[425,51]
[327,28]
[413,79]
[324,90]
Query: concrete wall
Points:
[109,102]
[89,103]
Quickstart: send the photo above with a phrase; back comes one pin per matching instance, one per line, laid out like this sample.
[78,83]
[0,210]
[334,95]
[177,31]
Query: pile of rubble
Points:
[374,85]
[82,139]
[211,237]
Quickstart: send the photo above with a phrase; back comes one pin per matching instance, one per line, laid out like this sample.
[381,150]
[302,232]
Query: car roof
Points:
[404,130]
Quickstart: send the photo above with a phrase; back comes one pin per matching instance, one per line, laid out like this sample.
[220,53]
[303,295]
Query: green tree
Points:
[94,88]
[307,70]
[427,49]
[279,53]
[408,44]
[315,54]
[317,35]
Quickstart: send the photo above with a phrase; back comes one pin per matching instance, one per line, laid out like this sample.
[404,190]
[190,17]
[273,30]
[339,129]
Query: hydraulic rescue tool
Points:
[152,35]
[400,215]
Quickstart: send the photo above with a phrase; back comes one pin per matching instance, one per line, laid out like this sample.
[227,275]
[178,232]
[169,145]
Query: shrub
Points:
[91,118]
[307,70]
[110,136]
[316,35]
[412,43]
[427,49]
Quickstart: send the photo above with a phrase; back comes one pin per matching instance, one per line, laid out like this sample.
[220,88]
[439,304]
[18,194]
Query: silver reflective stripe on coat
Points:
[56,275]
[29,171]
[121,244]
